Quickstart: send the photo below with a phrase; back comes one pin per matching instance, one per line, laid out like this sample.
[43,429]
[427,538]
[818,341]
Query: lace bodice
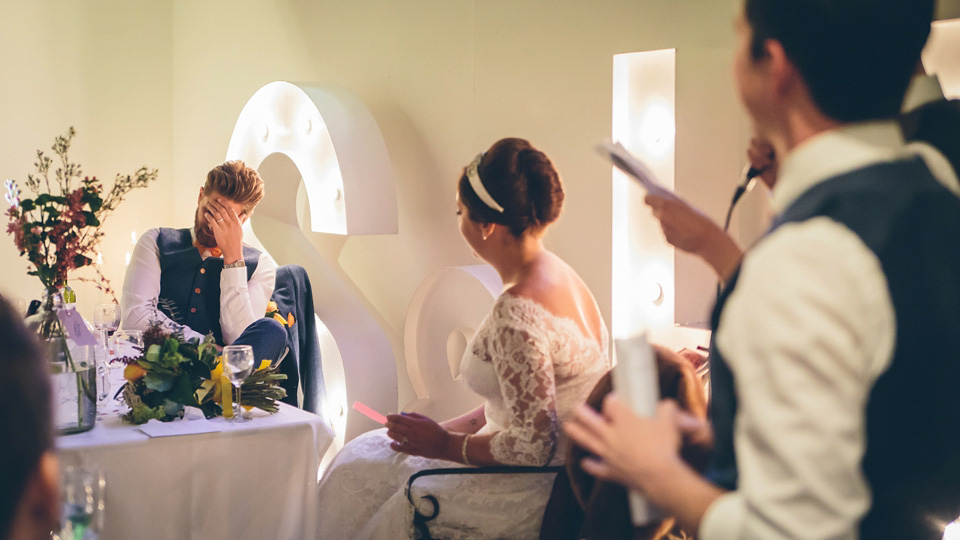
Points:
[533,368]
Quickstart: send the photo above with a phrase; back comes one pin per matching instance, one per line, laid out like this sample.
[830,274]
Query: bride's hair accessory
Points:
[474,177]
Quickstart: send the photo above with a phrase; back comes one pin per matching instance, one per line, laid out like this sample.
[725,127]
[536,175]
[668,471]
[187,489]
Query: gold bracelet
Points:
[463,449]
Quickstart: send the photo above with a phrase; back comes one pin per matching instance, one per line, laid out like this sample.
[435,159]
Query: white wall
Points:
[104,67]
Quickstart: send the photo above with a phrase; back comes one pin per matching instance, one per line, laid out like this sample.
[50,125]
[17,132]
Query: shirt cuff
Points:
[723,519]
[231,278]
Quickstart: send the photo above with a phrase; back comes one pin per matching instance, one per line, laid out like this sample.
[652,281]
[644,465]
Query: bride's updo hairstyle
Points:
[517,178]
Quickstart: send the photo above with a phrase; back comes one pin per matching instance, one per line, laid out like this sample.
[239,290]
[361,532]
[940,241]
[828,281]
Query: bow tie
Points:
[214,251]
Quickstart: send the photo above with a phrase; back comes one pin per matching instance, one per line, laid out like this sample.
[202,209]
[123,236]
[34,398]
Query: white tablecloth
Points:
[254,480]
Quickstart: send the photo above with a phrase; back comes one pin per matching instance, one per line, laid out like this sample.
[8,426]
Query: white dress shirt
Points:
[806,331]
[241,301]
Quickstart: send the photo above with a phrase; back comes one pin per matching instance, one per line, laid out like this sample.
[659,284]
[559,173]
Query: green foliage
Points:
[59,228]
[141,413]
[177,368]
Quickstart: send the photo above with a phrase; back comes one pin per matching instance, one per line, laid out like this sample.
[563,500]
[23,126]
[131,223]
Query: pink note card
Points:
[75,328]
[369,413]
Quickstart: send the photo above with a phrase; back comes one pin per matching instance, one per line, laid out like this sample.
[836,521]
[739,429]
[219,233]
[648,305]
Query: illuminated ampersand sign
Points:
[445,312]
[325,140]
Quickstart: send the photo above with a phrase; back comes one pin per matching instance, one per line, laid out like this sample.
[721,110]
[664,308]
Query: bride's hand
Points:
[418,435]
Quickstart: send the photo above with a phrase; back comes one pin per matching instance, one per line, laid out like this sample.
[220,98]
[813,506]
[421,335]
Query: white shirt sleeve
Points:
[807,330]
[141,290]
[242,302]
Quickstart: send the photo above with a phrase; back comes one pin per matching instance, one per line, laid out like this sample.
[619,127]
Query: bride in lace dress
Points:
[534,358]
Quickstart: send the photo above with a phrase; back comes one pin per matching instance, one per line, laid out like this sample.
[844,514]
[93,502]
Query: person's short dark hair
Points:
[25,410]
[522,180]
[856,56]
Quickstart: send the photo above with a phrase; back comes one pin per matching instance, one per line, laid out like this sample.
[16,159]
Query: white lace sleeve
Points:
[524,369]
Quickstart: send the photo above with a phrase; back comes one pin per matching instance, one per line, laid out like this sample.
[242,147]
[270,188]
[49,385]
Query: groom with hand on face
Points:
[204,279]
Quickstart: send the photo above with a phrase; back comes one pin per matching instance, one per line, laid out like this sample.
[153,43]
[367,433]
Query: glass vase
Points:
[72,368]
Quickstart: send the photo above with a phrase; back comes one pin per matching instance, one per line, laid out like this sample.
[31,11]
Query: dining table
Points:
[204,479]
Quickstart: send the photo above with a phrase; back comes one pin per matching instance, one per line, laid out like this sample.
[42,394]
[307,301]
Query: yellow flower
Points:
[290,319]
[271,306]
[279,318]
[133,372]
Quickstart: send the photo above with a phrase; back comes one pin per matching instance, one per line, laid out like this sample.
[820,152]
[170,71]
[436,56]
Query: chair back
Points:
[294,294]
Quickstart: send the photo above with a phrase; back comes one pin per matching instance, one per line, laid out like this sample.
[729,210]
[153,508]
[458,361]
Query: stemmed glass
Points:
[123,343]
[83,503]
[237,365]
[106,319]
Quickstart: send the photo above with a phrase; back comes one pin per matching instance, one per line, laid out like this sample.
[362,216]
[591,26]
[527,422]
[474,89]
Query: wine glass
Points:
[124,343]
[83,502]
[237,365]
[127,343]
[106,319]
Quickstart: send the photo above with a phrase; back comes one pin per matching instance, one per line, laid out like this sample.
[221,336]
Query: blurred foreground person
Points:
[29,475]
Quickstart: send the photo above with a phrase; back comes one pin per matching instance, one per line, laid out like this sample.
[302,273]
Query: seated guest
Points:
[534,358]
[29,477]
[204,279]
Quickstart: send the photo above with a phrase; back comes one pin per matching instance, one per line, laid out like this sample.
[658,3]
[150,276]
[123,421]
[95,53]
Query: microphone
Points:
[750,174]
[753,172]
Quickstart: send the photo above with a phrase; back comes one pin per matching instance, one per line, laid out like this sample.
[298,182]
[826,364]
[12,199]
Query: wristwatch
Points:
[236,264]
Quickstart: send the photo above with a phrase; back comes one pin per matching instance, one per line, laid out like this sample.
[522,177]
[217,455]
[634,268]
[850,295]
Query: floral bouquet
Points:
[60,227]
[173,372]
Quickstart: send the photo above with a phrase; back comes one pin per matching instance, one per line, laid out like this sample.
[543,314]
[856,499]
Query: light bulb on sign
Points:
[306,126]
[952,531]
[657,129]
[133,237]
[654,293]
[126,259]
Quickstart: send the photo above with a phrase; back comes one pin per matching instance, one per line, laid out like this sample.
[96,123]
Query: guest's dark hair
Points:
[855,56]
[522,180]
[25,411]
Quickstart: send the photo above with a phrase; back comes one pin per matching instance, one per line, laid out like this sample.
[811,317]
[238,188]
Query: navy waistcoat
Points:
[190,285]
[912,456]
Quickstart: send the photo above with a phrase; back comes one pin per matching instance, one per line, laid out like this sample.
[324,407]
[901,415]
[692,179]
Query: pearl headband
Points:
[474,177]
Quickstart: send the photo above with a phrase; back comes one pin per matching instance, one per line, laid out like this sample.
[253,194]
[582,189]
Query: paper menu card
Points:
[632,166]
[636,381]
